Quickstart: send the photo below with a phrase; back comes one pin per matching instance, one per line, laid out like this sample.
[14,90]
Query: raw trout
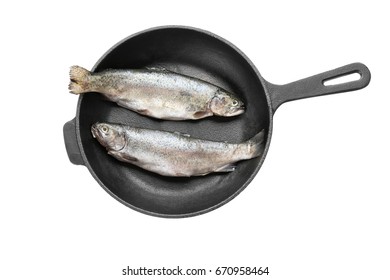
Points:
[157,93]
[173,153]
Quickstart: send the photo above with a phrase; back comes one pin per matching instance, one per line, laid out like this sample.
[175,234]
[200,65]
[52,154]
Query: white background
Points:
[319,207]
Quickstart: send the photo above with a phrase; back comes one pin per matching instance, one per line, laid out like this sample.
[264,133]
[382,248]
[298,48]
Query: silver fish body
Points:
[172,153]
[158,93]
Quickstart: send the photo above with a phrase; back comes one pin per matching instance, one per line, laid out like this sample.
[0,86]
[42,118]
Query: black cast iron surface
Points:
[203,55]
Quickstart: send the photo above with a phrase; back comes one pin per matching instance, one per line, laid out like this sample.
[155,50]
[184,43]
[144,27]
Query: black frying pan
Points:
[208,57]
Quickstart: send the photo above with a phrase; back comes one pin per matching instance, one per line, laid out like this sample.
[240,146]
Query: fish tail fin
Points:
[257,144]
[79,79]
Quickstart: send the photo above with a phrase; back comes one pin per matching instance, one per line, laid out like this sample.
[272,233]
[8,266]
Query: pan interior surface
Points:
[193,53]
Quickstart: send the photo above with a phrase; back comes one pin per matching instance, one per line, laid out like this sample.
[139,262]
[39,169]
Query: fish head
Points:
[226,104]
[111,136]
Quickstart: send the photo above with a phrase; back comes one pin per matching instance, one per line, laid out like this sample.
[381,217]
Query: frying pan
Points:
[200,54]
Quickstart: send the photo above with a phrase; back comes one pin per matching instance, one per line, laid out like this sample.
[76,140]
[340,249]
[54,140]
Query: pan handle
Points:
[314,85]
[72,148]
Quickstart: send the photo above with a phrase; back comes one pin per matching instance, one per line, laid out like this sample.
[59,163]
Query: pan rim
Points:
[247,181]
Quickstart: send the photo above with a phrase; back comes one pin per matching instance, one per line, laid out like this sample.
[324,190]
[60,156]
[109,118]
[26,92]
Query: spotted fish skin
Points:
[157,93]
[172,153]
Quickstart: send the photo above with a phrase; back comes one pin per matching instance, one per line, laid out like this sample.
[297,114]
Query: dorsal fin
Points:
[157,68]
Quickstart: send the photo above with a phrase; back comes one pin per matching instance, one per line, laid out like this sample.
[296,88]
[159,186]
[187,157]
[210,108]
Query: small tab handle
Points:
[72,147]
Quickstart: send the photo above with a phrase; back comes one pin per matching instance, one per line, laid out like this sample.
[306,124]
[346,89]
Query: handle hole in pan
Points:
[351,77]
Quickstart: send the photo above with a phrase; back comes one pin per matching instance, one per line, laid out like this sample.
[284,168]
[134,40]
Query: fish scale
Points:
[158,93]
[173,153]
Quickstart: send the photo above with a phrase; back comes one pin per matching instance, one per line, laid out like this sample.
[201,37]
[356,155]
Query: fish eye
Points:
[235,103]
[105,129]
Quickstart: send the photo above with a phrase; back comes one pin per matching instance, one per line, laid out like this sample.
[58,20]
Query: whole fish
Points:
[157,93]
[173,153]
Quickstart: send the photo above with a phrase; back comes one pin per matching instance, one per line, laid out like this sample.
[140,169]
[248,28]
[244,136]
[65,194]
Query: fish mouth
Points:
[238,111]
[94,130]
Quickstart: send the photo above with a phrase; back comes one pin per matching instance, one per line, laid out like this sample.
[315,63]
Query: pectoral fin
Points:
[144,112]
[122,156]
[201,114]
[226,168]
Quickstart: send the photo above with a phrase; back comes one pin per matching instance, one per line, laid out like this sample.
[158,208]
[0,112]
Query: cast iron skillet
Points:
[200,54]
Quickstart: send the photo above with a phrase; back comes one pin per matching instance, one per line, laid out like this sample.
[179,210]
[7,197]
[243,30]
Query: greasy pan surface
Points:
[195,53]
